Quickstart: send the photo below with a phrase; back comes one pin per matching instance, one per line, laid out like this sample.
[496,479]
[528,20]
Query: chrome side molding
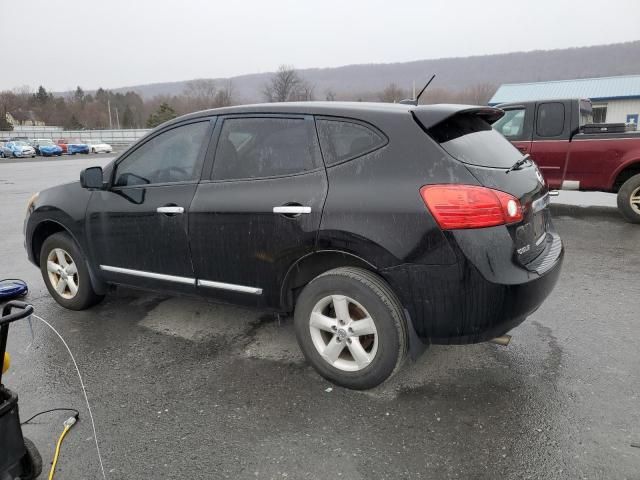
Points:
[230,286]
[155,276]
[185,280]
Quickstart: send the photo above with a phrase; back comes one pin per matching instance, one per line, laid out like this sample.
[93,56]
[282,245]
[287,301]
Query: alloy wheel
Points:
[63,273]
[634,200]
[343,333]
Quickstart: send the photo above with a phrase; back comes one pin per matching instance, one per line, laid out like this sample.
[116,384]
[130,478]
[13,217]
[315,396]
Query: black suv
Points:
[383,226]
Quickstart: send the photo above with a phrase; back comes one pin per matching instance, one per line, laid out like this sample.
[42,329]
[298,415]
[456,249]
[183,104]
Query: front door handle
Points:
[292,209]
[170,210]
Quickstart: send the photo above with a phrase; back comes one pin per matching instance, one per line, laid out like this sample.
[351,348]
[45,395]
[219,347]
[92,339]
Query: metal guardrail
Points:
[112,137]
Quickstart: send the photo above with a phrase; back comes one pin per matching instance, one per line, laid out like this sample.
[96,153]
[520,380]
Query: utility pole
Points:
[109,108]
[117,119]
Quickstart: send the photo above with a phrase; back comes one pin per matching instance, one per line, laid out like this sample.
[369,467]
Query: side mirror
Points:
[91,178]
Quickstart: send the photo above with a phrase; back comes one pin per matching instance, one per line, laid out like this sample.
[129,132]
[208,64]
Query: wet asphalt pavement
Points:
[185,389]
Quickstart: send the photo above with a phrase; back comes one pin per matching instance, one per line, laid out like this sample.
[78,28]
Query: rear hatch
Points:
[468,137]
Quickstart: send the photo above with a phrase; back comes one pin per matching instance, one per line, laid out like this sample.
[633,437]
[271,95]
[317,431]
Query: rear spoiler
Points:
[431,115]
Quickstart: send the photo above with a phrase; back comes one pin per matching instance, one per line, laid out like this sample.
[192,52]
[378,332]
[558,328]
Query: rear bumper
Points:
[457,304]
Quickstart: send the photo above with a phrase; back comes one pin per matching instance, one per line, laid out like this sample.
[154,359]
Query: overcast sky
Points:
[115,43]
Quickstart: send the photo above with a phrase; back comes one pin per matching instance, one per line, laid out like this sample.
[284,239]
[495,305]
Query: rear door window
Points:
[550,121]
[470,139]
[342,140]
[258,147]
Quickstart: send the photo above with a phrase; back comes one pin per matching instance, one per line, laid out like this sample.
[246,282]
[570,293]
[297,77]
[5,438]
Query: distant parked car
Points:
[62,144]
[100,147]
[18,149]
[46,147]
[72,147]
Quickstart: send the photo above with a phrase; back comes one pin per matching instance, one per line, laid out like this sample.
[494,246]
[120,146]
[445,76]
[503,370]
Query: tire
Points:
[629,199]
[367,297]
[31,462]
[62,265]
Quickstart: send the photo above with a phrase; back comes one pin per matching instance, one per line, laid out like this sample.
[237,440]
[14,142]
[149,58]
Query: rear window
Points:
[470,139]
[343,140]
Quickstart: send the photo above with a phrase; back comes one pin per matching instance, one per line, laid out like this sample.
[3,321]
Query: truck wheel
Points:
[629,199]
[351,327]
[65,273]
[31,462]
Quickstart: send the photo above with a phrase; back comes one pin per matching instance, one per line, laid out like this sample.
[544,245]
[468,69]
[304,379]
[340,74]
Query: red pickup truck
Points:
[557,134]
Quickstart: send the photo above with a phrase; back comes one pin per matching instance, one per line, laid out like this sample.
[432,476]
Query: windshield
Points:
[470,139]
[45,142]
[20,144]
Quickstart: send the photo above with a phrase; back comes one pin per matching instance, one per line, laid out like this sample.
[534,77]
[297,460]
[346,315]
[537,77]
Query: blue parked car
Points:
[17,149]
[46,147]
[72,147]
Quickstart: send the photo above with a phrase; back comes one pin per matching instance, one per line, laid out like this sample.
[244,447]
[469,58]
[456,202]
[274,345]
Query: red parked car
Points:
[573,153]
[63,145]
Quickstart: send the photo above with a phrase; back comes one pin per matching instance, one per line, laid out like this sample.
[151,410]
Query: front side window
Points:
[257,147]
[550,122]
[343,140]
[512,124]
[172,156]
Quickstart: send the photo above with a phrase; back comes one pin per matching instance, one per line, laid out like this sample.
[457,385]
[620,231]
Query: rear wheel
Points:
[31,462]
[65,273]
[351,327]
[629,199]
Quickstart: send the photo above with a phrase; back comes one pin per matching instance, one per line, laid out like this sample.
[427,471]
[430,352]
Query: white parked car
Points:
[99,147]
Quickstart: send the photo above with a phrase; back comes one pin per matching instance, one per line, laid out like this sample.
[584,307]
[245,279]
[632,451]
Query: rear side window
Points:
[512,124]
[470,139]
[264,147]
[343,140]
[550,122]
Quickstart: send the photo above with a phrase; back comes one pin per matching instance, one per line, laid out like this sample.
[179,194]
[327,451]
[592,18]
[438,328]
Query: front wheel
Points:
[351,328]
[65,273]
[629,199]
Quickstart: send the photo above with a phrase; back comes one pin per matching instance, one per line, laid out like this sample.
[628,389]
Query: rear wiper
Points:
[519,163]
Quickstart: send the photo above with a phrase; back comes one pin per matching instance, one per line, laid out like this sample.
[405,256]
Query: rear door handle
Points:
[292,209]
[170,210]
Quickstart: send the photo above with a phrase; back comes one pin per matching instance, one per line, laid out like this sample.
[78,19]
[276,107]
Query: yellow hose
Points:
[6,362]
[57,454]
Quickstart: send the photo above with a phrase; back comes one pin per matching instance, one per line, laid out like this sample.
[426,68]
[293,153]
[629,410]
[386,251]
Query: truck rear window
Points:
[470,139]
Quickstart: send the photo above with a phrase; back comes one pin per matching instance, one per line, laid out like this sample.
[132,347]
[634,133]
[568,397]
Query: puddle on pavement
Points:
[254,333]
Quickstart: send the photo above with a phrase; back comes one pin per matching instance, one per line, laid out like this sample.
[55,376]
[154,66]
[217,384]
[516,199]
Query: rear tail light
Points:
[469,206]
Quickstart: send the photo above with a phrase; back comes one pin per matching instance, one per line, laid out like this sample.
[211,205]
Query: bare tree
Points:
[201,93]
[287,85]
[224,95]
[479,94]
[392,94]
[329,95]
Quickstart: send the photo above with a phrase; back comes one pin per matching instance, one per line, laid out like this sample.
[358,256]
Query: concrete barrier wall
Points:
[112,137]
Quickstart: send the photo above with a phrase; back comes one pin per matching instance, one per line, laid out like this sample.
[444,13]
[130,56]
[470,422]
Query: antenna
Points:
[414,101]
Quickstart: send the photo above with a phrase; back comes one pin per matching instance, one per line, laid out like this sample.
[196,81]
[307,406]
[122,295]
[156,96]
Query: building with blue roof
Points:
[615,99]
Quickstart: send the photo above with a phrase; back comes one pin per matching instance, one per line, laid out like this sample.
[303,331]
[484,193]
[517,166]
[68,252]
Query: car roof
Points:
[429,114]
